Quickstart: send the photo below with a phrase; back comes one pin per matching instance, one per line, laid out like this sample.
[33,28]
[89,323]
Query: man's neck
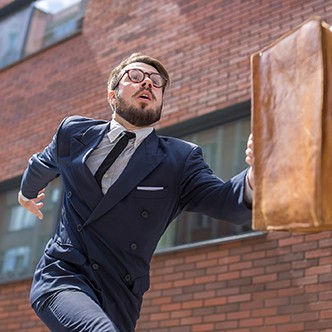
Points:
[125,123]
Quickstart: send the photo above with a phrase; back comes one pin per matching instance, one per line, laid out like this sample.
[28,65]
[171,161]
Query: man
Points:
[95,269]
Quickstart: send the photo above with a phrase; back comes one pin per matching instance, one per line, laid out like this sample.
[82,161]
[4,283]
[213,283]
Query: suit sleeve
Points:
[42,168]
[204,192]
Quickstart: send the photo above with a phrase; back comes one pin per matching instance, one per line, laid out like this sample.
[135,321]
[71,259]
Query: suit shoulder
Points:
[76,120]
[178,143]
[77,124]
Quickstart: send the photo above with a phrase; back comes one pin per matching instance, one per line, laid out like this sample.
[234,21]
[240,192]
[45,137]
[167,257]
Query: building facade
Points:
[206,275]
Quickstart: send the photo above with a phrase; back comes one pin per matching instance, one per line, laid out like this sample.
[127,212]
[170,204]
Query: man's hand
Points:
[250,161]
[33,205]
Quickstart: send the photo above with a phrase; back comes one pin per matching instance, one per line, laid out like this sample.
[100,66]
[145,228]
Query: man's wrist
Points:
[248,191]
[248,182]
[23,198]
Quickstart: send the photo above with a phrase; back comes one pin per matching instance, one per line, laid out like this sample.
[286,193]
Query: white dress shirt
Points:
[106,145]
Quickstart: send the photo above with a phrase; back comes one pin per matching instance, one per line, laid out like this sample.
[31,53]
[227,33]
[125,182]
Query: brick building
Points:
[206,275]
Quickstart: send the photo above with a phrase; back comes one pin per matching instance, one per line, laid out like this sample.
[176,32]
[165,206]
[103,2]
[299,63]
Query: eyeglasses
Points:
[138,76]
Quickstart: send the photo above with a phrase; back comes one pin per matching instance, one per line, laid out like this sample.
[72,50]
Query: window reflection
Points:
[15,261]
[37,26]
[54,7]
[22,235]
[13,31]
[53,20]
[224,151]
[20,219]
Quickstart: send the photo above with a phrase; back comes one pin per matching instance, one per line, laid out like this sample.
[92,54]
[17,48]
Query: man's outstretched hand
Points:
[33,205]
[250,159]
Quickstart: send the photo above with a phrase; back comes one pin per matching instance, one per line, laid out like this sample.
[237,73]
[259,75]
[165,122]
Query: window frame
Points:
[14,184]
[18,5]
[208,121]
[194,125]
[14,6]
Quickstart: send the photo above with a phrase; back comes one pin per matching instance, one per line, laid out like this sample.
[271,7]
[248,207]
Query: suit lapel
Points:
[81,147]
[146,158]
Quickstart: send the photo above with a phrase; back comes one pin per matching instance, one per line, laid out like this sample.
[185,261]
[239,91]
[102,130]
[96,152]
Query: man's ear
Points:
[111,96]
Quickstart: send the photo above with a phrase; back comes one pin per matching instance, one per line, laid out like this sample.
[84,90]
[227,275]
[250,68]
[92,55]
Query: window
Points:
[22,235]
[224,151]
[16,261]
[35,25]
[19,220]
[13,30]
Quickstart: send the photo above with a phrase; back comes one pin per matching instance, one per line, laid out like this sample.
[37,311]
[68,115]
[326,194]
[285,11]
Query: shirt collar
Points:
[116,129]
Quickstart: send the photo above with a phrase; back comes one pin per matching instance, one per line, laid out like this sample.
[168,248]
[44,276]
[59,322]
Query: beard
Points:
[138,116]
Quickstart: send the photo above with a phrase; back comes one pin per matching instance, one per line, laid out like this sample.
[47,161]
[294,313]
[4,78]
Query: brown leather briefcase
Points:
[292,130]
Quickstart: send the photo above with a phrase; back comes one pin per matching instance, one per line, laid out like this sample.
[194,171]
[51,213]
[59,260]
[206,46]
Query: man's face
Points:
[141,103]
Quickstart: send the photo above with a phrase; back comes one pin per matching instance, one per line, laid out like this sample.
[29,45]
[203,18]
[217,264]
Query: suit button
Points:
[133,246]
[79,228]
[145,214]
[95,266]
[127,277]
[69,194]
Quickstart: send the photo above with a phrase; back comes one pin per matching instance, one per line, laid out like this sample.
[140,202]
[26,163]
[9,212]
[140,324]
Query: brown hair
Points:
[113,79]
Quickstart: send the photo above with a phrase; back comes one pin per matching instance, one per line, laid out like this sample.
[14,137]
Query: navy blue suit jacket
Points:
[103,244]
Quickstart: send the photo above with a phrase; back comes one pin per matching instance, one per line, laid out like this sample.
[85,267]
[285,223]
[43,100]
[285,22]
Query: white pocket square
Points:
[150,188]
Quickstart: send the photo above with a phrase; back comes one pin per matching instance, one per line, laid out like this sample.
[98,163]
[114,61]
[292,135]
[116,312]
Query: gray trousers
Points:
[74,311]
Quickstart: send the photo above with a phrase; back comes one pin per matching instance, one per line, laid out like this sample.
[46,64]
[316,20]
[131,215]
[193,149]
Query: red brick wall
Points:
[276,283]
[15,312]
[205,44]
[281,282]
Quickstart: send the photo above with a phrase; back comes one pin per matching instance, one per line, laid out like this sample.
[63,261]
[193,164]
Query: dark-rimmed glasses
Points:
[137,76]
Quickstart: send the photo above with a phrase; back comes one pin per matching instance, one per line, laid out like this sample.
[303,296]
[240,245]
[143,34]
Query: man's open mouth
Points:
[145,96]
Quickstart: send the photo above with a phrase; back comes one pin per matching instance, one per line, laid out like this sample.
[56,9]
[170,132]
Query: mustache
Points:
[143,88]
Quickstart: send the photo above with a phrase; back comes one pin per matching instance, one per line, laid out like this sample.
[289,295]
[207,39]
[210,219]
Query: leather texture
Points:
[292,129]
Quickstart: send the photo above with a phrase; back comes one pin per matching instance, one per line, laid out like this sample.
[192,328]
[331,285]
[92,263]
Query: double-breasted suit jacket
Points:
[103,244]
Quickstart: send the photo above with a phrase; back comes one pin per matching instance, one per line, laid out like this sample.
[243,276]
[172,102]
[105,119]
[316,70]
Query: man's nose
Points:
[147,81]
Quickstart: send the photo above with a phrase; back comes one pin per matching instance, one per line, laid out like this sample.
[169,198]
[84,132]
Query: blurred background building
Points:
[206,275]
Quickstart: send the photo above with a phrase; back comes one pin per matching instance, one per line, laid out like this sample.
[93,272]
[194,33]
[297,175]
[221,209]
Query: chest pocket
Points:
[151,192]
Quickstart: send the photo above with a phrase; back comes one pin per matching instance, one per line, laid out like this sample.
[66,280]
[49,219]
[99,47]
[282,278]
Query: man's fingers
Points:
[34,205]
[249,157]
[35,209]
[40,215]
[39,197]
[250,151]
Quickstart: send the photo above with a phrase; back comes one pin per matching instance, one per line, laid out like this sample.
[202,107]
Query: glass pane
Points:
[15,261]
[54,7]
[224,151]
[13,31]
[22,235]
[20,219]
[52,21]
